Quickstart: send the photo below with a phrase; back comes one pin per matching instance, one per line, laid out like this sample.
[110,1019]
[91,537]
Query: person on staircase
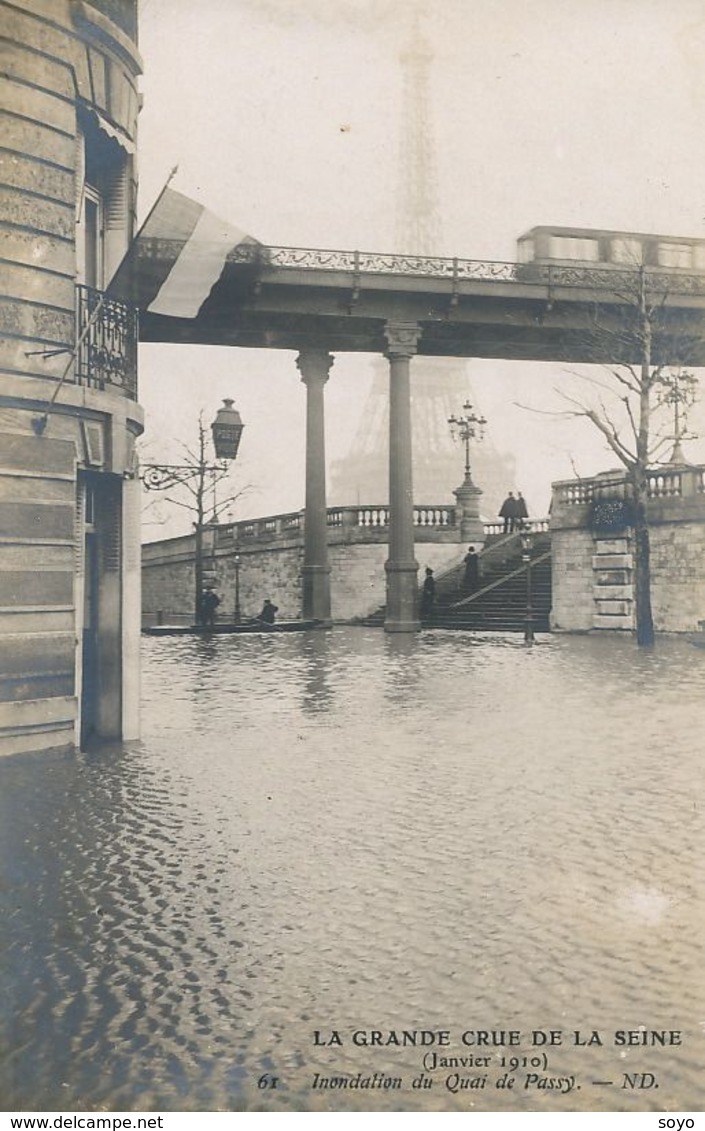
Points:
[508,511]
[471,576]
[428,595]
[522,511]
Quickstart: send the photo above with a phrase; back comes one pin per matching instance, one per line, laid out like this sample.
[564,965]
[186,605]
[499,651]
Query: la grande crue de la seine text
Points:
[495,1038]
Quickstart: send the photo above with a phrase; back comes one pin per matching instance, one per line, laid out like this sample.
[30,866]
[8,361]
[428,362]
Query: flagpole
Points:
[39,423]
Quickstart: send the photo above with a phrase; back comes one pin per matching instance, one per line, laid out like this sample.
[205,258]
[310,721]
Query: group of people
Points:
[514,512]
[469,584]
[210,602]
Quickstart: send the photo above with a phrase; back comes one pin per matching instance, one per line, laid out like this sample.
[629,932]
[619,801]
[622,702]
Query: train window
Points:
[626,250]
[699,256]
[525,249]
[572,247]
[675,255]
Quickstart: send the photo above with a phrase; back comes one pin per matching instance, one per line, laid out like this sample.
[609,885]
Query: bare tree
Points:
[642,342]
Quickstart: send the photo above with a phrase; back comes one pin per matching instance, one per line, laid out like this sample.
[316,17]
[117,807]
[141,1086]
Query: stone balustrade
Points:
[349,523]
[535,525]
[432,523]
[681,481]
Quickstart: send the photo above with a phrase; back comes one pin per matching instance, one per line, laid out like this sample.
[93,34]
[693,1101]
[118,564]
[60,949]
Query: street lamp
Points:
[465,428]
[238,613]
[226,431]
[678,389]
[527,541]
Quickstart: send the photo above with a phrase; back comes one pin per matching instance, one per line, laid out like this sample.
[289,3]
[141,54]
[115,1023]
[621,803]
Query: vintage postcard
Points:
[352,583]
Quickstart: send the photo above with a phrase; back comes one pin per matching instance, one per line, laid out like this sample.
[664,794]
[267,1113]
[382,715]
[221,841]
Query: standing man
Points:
[209,603]
[508,511]
[522,512]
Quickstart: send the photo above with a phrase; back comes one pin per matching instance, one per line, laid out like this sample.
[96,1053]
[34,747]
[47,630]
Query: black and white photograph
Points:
[352,558]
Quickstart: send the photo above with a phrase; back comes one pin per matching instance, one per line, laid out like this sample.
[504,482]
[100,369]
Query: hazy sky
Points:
[284,119]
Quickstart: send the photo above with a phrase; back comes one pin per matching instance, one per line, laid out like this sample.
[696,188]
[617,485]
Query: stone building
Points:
[69,513]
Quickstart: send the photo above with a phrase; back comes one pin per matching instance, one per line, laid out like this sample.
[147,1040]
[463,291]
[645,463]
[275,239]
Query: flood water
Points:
[350,832]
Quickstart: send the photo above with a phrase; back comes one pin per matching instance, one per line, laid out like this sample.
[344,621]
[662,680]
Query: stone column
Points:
[314,366]
[401,566]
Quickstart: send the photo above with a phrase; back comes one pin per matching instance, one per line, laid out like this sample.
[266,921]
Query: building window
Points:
[91,227]
[103,202]
[526,250]
[106,329]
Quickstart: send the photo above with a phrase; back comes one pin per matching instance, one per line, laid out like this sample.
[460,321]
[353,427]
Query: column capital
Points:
[314,365]
[402,338]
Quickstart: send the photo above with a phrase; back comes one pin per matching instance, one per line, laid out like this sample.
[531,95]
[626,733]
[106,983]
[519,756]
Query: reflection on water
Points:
[349,830]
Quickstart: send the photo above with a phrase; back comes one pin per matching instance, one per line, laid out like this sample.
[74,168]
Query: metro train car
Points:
[592,247]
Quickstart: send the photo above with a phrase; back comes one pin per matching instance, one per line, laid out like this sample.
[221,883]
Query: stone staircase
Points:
[499,605]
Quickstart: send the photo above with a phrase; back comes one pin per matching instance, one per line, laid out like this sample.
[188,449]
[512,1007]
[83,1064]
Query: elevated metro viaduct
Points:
[319,303]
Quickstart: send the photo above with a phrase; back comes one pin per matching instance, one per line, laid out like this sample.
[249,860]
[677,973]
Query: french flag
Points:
[177,257]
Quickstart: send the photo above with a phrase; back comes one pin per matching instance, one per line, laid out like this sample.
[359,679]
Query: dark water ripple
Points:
[349,830]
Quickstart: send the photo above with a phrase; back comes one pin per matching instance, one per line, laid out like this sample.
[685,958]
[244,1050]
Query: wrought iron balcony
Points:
[107,355]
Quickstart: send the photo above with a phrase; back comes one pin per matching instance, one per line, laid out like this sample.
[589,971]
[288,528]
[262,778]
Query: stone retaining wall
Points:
[358,580]
[593,571]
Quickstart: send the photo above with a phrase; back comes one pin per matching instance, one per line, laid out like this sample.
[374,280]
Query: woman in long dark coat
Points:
[428,595]
[471,577]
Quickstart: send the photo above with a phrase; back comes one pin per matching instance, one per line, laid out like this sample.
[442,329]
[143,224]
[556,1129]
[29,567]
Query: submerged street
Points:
[357,832]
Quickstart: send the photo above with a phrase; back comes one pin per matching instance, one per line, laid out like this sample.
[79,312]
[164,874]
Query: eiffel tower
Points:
[439,386]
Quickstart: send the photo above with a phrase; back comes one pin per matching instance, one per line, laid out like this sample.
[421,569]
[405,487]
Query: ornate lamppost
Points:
[678,390]
[463,428]
[527,541]
[226,431]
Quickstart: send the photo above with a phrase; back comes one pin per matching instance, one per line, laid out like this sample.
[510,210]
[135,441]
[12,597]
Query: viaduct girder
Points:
[298,299]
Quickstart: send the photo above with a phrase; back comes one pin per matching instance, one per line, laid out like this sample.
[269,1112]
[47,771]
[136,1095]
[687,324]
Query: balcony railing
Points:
[107,355]
[362,519]
[662,483]
[357,263]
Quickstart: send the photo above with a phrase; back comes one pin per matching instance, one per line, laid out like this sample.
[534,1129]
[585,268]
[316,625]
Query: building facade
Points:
[69,500]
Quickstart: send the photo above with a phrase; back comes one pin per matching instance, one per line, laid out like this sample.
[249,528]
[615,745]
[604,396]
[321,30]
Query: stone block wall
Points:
[358,579]
[678,576]
[273,573]
[571,571]
[613,583]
